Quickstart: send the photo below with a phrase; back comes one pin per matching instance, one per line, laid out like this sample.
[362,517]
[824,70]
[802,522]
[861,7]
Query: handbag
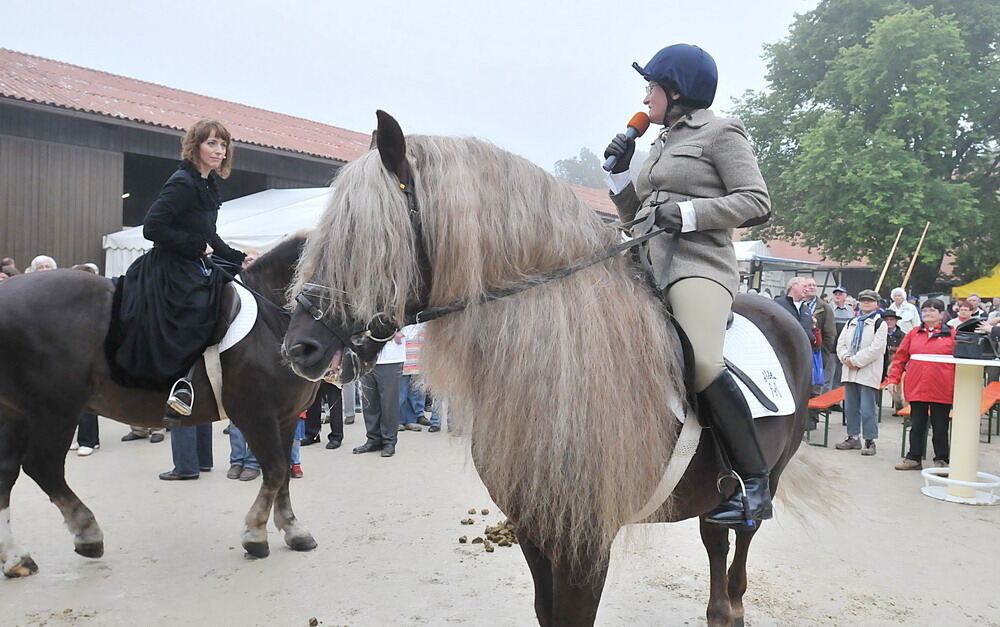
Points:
[817,369]
[972,345]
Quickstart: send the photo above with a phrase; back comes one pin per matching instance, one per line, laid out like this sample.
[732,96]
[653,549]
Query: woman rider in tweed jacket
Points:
[701,181]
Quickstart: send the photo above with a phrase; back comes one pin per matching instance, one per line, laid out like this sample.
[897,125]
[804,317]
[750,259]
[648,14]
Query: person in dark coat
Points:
[170,297]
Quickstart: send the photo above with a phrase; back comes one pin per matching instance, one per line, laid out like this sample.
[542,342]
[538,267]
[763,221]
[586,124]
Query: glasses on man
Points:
[649,88]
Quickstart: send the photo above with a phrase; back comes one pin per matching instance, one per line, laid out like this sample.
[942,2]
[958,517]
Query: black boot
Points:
[723,407]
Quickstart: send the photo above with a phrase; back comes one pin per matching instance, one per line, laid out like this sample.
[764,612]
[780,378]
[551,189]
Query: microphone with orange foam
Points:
[637,125]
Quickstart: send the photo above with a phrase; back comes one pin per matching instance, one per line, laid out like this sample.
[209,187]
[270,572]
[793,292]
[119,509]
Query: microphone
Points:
[637,125]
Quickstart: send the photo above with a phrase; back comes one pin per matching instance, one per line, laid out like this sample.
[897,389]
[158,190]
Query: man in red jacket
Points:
[929,385]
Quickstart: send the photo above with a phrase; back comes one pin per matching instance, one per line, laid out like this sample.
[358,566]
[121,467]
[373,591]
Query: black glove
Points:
[623,148]
[668,216]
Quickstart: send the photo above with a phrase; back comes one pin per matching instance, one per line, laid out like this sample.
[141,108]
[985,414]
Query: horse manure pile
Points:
[504,533]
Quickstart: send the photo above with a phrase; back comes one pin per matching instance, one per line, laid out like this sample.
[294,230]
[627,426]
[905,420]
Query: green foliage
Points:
[880,115]
[583,170]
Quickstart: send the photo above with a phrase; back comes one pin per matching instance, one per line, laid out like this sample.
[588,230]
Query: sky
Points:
[540,79]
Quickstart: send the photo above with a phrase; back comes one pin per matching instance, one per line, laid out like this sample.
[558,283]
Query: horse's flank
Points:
[566,387]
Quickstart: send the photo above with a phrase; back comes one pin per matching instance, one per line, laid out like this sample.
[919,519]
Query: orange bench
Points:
[822,405]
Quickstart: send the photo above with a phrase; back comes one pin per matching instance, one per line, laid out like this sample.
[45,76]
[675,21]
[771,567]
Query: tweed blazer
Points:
[709,161]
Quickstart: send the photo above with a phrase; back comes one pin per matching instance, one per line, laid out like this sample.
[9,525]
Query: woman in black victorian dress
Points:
[170,297]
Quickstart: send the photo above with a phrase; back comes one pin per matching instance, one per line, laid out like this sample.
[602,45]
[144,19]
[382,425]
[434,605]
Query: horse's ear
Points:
[374,143]
[392,146]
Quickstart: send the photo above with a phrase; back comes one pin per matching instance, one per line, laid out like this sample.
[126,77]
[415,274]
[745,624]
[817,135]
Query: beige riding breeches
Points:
[701,307]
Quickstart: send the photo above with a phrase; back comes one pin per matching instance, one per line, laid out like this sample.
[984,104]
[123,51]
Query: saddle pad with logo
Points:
[748,349]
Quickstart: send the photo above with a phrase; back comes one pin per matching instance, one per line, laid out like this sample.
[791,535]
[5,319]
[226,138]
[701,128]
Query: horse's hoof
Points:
[301,543]
[257,549]
[738,622]
[24,567]
[90,549]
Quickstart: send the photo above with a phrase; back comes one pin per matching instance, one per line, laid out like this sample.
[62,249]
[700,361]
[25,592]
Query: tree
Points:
[880,115]
[583,170]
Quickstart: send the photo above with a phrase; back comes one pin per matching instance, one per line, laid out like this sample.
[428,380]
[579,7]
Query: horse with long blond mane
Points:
[568,389]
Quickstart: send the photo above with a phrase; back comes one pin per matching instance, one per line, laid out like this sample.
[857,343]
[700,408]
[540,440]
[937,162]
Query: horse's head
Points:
[343,313]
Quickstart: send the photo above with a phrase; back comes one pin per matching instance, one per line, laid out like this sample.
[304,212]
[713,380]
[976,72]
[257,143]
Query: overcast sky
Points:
[540,79]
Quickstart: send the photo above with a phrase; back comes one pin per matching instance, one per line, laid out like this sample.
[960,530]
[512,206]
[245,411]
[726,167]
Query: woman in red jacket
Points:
[929,385]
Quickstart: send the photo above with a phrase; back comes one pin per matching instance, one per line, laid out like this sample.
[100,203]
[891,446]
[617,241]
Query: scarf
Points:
[859,331]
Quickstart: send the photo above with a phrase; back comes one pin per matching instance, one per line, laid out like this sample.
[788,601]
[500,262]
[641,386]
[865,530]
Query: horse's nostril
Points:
[301,350]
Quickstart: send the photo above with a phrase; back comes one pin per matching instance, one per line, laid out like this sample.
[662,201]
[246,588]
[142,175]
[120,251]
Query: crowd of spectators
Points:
[873,341]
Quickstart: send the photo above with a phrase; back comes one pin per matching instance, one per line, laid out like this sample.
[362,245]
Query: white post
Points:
[964,462]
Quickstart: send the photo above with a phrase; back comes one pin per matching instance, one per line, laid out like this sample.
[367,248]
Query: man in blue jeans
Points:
[243,464]
[192,451]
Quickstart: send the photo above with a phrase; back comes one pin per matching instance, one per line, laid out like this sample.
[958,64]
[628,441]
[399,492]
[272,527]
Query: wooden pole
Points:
[916,253]
[888,260]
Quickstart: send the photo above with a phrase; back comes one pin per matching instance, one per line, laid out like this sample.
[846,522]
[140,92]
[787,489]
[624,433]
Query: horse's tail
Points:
[807,489]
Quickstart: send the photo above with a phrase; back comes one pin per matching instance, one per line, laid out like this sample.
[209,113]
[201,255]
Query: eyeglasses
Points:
[649,88]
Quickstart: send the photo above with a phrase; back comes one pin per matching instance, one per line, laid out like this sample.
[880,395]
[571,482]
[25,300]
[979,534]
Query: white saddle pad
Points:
[748,349]
[245,319]
[238,329]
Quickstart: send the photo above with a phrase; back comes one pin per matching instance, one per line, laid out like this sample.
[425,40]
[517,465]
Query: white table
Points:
[962,482]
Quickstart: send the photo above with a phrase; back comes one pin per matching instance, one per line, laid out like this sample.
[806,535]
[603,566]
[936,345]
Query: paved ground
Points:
[388,553]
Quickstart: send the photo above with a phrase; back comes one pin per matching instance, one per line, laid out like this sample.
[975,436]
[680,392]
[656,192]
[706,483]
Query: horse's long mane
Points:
[565,388]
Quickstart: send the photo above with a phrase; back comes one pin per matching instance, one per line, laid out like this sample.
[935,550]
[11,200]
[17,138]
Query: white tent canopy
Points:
[257,221]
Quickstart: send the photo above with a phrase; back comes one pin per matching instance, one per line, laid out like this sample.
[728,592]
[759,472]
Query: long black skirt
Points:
[165,312]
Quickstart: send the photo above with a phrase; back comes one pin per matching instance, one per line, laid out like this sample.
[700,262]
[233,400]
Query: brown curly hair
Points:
[198,133]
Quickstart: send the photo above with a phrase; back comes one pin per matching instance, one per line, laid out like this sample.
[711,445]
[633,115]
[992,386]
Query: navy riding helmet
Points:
[685,68]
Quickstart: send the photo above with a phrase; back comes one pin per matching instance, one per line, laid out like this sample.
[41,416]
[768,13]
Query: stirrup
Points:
[738,502]
[178,404]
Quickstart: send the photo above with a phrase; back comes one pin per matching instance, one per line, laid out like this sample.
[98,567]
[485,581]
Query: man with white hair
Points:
[792,302]
[42,263]
[909,317]
[975,303]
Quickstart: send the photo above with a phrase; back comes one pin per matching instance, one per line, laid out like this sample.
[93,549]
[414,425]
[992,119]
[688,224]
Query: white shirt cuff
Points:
[617,182]
[689,219]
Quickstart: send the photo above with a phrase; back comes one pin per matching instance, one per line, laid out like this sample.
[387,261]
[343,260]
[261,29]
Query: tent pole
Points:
[888,260]
[916,253]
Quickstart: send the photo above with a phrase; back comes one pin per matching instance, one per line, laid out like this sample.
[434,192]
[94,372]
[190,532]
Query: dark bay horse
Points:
[52,331]
[567,389]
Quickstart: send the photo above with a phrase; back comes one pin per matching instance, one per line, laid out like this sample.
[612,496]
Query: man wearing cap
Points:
[861,349]
[842,314]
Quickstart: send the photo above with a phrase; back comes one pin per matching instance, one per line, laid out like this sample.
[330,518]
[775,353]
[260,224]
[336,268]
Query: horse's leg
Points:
[263,436]
[541,573]
[297,536]
[45,463]
[13,442]
[716,540]
[575,602]
[738,574]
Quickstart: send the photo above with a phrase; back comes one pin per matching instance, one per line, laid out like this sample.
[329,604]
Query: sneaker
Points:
[249,474]
[869,448]
[849,444]
[296,471]
[74,446]
[940,463]
[155,438]
[84,451]
[434,428]
[412,426]
[909,464]
[423,420]
[234,471]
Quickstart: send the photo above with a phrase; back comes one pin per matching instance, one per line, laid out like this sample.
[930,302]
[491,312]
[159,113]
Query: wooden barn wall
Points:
[57,200]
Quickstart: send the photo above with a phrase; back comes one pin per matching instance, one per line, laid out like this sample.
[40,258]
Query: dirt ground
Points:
[388,551]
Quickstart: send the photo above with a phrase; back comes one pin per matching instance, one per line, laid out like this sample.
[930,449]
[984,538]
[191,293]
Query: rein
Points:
[492,295]
[257,295]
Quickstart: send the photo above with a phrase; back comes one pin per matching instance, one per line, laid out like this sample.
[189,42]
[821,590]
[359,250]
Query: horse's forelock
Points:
[362,249]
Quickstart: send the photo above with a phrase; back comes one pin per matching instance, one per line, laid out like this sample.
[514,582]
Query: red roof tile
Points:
[597,199]
[36,79]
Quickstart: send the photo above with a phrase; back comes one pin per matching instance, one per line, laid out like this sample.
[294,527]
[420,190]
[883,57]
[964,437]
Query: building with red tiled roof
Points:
[84,153]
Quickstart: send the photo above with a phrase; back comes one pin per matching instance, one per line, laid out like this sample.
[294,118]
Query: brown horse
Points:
[566,388]
[52,330]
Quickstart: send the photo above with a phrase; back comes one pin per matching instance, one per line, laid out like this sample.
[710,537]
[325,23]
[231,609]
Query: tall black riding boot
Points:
[725,410]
